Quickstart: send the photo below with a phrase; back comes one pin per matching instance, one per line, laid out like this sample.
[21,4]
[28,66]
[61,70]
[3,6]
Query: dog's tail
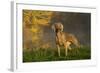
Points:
[74,40]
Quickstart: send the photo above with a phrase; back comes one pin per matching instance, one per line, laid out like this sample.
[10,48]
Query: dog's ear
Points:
[53,27]
[61,26]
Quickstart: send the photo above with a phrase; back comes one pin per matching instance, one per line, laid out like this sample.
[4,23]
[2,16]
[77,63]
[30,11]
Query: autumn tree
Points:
[33,23]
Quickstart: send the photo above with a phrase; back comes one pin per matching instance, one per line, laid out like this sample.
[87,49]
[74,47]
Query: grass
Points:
[50,54]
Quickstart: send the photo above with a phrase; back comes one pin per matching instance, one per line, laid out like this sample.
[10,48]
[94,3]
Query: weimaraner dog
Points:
[64,39]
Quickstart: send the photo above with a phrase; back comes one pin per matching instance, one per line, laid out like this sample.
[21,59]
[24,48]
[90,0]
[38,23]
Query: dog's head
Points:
[57,27]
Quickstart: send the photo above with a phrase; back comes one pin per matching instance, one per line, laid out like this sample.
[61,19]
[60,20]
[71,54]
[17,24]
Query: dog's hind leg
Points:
[67,46]
[58,47]
[66,49]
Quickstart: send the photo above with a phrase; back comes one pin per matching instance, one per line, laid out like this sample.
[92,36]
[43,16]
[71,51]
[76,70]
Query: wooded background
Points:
[37,32]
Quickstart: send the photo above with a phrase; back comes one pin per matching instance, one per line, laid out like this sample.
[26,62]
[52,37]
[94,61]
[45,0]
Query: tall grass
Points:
[51,54]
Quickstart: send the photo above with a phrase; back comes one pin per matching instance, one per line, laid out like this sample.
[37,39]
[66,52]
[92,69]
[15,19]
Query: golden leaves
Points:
[34,21]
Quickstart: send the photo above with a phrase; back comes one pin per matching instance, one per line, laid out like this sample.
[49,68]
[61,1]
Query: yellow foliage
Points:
[34,30]
[35,19]
[42,22]
[35,38]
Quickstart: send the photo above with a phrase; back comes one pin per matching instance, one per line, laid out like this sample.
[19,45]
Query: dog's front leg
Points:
[58,47]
